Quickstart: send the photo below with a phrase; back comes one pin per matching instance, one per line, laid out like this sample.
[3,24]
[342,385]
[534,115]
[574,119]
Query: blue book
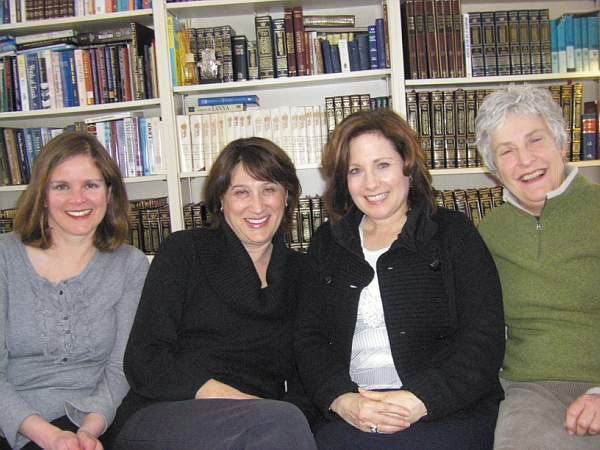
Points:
[327,62]
[554,44]
[578,44]
[373,58]
[335,59]
[570,42]
[228,100]
[33,81]
[380,38]
[362,41]
[593,42]
[562,45]
[16,84]
[65,78]
[354,56]
[585,46]
[143,139]
[37,142]
[22,155]
[110,78]
[29,146]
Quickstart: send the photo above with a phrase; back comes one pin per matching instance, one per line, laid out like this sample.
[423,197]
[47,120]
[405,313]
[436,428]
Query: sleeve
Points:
[14,408]
[113,386]
[154,366]
[594,390]
[324,376]
[467,370]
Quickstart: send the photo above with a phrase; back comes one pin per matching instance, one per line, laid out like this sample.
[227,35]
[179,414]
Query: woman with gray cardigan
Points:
[69,289]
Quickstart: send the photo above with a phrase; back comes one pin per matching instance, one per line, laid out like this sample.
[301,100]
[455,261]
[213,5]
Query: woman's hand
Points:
[583,416]
[409,401]
[215,389]
[364,413]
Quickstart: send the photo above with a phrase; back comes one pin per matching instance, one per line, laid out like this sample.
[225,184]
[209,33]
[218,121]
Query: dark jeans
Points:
[216,424]
[471,430]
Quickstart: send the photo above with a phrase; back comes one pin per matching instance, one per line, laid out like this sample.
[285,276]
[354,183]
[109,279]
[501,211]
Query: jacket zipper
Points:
[539,228]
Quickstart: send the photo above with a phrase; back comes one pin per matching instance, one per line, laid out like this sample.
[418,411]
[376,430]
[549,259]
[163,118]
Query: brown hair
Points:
[31,220]
[337,155]
[264,160]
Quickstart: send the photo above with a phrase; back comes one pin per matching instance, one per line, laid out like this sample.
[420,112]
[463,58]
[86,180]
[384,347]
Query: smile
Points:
[533,175]
[377,198]
[258,221]
[82,213]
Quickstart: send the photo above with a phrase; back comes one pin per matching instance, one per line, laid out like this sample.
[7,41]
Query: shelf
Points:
[270,83]
[474,170]
[40,26]
[78,110]
[503,79]
[129,180]
[220,8]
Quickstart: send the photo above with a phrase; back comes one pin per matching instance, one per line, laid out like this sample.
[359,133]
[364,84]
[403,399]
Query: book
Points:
[240,57]
[228,100]
[459,54]
[298,21]
[546,41]
[476,45]
[327,56]
[431,39]
[409,39]
[252,57]
[535,42]
[592,28]
[589,132]
[289,34]
[489,44]
[380,39]
[440,34]
[373,57]
[515,46]
[524,41]
[502,43]
[280,48]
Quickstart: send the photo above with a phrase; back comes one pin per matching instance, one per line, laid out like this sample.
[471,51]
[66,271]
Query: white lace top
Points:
[371,363]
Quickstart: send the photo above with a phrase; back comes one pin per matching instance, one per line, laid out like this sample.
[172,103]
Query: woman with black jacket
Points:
[400,331]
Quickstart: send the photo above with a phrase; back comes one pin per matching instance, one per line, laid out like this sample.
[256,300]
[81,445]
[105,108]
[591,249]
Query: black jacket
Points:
[442,303]
[204,315]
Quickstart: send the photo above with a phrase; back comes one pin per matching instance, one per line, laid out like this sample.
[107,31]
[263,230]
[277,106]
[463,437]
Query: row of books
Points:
[474,203]
[433,39]
[527,41]
[150,223]
[284,47]
[301,131]
[307,217]
[445,121]
[16,11]
[116,66]
[133,142]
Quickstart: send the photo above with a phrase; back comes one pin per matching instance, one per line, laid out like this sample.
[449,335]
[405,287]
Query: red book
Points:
[420,39]
[298,17]
[457,37]
[289,35]
[430,36]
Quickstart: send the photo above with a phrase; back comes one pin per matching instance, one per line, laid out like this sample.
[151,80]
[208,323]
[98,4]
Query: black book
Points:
[240,58]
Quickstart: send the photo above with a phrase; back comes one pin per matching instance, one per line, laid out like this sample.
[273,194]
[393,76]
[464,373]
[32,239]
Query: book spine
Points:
[425,126]
[515,46]
[380,40]
[430,35]
[289,35]
[264,45]
[502,42]
[489,43]
[535,42]
[440,34]
[476,39]
[280,48]
[449,130]
[593,43]
[33,81]
[240,58]
[46,81]
[524,41]
[297,19]
[80,76]
[13,157]
[22,82]
[461,128]
[588,136]
[437,128]
[228,100]
[570,42]
[546,41]
[457,37]
[420,39]
[373,57]
[409,37]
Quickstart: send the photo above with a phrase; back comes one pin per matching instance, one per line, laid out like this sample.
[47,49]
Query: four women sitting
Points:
[388,334]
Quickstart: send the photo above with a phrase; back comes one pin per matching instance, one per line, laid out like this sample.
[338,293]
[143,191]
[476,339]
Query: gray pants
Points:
[532,417]
[217,424]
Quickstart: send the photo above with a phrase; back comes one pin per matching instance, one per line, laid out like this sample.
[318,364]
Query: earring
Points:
[221,207]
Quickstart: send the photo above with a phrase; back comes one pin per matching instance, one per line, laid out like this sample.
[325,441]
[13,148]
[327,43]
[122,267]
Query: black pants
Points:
[216,424]
[471,430]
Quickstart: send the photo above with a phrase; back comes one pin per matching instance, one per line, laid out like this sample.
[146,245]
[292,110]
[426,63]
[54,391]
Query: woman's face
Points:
[529,162]
[376,181]
[253,208]
[76,198]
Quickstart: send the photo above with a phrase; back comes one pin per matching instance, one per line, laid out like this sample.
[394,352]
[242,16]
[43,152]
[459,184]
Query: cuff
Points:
[594,390]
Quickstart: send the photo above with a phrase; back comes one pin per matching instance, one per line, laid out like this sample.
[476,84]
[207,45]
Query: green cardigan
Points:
[550,273]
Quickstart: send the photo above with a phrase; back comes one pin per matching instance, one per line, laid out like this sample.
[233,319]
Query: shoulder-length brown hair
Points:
[264,160]
[337,155]
[31,220]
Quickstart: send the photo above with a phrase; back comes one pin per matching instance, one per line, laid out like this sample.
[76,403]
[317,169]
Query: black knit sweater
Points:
[442,304]
[203,315]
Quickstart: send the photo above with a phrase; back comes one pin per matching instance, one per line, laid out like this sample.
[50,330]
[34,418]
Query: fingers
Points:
[573,413]
[583,416]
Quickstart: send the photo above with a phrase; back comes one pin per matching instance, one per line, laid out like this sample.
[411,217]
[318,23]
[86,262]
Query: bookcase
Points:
[184,187]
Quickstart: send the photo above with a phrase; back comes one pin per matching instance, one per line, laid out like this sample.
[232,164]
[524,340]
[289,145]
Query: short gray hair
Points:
[522,99]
